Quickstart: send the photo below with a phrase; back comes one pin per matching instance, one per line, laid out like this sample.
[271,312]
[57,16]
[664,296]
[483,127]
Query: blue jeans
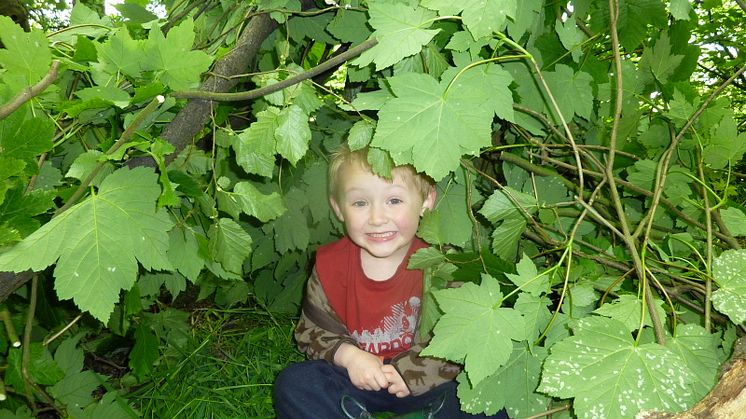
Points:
[318,389]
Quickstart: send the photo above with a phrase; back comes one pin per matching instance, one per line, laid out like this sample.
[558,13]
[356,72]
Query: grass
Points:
[228,370]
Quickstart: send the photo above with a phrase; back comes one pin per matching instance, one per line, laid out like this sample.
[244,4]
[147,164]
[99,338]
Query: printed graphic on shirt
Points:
[395,332]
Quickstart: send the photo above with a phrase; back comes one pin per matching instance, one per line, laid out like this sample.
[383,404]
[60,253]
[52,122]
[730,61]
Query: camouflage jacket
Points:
[320,333]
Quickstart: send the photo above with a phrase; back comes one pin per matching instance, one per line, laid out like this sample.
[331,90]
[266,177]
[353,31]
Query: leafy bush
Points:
[585,177]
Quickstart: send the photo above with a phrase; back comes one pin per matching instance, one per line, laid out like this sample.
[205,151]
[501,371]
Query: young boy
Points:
[360,314]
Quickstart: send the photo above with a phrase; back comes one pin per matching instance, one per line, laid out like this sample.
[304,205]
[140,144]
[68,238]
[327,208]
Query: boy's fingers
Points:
[383,382]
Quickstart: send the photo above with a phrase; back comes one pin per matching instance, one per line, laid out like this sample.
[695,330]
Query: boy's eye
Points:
[358,203]
[395,201]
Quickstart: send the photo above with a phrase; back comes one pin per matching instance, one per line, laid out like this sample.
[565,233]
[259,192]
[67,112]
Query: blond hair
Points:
[343,155]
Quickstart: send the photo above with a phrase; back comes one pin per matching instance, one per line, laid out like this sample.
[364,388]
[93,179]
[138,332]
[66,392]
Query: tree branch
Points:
[290,81]
[30,92]
[192,118]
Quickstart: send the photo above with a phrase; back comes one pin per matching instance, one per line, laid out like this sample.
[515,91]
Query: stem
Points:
[557,109]
[290,81]
[9,328]
[27,379]
[629,240]
[708,252]
[30,92]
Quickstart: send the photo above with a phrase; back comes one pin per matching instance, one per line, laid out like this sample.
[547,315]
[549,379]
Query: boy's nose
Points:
[377,215]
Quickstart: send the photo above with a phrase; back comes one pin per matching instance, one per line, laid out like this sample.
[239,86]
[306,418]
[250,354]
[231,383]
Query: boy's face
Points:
[381,217]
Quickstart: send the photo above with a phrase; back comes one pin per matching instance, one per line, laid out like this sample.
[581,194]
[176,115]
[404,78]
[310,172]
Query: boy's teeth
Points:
[381,235]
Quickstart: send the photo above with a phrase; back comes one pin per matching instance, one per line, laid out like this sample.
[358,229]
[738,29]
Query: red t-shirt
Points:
[380,315]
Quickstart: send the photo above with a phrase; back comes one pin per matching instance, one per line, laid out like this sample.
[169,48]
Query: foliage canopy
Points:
[586,155]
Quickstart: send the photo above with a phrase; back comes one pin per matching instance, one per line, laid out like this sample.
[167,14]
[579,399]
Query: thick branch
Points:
[10,282]
[31,92]
[192,118]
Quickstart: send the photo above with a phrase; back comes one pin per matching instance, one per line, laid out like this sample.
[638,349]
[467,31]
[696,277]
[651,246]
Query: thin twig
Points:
[31,92]
[64,329]
[276,87]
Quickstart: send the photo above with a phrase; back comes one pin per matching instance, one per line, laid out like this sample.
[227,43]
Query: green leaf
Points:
[360,134]
[68,356]
[729,272]
[512,386]
[135,13]
[84,165]
[627,309]
[25,139]
[535,312]
[430,128]
[349,25]
[571,37]
[312,27]
[230,244]
[635,16]
[699,350]
[726,145]
[571,90]
[293,133]
[98,242]
[481,17]
[659,59]
[680,9]
[76,389]
[183,252]
[425,258]
[172,57]
[26,57]
[120,53]
[246,198]
[291,229]
[472,313]
[528,279]
[374,100]
[255,148]
[401,31]
[145,351]
[506,236]
[735,220]
[110,94]
[111,406]
[41,367]
[611,376]
[525,18]
[499,206]
[18,209]
[449,223]
[380,161]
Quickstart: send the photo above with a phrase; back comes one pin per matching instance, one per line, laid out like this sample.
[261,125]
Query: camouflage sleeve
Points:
[422,374]
[320,331]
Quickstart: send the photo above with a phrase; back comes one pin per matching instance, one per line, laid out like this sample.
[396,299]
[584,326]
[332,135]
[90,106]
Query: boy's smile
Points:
[380,216]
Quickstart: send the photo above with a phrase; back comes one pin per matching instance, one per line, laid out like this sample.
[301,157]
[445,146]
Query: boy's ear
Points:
[429,202]
[337,211]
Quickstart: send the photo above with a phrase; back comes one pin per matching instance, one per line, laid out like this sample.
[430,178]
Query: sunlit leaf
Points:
[611,376]
[729,271]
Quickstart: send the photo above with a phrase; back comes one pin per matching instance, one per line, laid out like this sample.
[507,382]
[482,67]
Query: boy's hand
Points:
[397,386]
[364,368]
